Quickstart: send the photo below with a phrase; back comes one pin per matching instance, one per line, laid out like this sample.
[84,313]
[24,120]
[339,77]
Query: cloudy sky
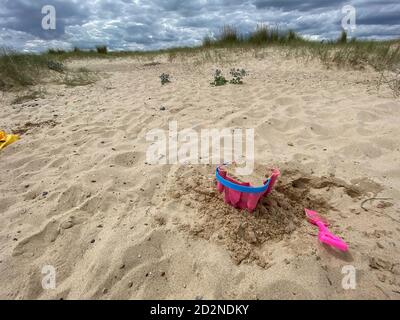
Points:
[153,24]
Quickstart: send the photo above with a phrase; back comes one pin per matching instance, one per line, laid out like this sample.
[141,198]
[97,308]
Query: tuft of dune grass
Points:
[102,49]
[20,70]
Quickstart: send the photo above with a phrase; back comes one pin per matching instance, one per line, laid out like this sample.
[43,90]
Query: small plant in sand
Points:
[165,78]
[238,75]
[55,65]
[219,79]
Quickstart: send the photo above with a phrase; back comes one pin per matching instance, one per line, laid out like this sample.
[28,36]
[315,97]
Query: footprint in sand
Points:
[285,289]
[128,159]
[285,101]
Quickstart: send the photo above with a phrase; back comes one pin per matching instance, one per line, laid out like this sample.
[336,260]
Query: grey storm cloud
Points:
[154,24]
[26,16]
[290,5]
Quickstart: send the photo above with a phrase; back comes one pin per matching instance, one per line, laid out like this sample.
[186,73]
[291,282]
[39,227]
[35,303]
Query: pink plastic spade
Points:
[324,235]
[241,194]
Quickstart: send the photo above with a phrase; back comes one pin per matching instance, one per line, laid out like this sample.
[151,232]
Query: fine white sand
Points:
[76,191]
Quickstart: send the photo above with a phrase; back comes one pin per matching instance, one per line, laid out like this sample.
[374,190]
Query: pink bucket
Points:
[241,194]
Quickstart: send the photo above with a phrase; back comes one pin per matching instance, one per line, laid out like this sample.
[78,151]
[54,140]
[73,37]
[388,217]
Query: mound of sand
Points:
[276,216]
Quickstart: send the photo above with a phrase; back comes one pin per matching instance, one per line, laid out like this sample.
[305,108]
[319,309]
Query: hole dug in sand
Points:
[276,216]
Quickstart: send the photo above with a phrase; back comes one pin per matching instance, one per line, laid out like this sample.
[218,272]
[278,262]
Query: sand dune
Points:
[77,193]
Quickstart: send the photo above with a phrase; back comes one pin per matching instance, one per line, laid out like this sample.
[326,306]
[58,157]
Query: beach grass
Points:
[19,71]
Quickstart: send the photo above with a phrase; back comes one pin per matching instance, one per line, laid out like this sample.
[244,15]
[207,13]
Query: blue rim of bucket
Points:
[240,188]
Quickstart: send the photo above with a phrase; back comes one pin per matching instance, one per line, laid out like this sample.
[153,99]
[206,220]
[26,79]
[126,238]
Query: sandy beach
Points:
[77,192]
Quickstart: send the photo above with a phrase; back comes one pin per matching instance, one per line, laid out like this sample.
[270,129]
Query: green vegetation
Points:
[228,35]
[164,78]
[343,37]
[21,70]
[219,79]
[56,51]
[261,36]
[237,77]
[18,71]
[55,65]
[102,49]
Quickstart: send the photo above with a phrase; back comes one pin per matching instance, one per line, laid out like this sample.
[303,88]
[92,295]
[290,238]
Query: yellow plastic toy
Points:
[6,139]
